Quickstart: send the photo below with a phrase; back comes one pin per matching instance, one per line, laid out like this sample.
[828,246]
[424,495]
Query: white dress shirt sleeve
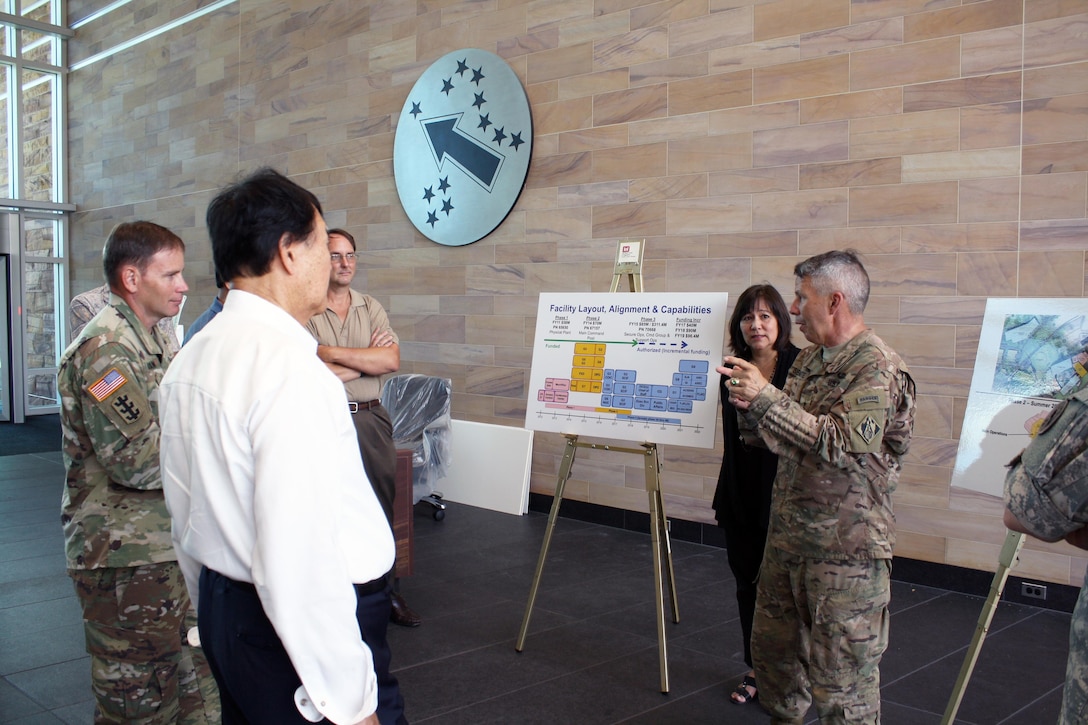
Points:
[302,575]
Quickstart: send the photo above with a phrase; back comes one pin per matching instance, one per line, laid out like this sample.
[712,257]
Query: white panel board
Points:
[637,367]
[1031,354]
[489,467]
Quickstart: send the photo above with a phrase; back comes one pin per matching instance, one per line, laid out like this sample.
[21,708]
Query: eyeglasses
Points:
[336,257]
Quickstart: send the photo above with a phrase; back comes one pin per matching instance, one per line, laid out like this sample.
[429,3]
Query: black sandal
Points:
[741,696]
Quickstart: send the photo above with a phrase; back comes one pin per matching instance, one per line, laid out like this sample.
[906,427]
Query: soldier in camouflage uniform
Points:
[116,526]
[1046,494]
[840,427]
[86,305]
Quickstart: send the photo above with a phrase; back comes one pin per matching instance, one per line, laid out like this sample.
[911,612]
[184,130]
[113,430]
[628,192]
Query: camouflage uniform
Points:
[117,529]
[1047,491]
[839,426]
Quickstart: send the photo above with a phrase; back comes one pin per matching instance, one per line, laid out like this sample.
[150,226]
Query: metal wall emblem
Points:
[462,148]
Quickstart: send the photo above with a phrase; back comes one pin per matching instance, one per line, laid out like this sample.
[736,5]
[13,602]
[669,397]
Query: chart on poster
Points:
[632,367]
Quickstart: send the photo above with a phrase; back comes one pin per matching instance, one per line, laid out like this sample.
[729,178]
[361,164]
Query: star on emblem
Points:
[462,67]
[415,110]
[515,140]
[484,121]
[477,75]
[432,218]
[499,136]
[447,206]
[447,86]
[444,184]
[479,102]
[428,194]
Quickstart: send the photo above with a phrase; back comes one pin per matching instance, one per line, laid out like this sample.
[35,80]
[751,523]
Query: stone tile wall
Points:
[946,140]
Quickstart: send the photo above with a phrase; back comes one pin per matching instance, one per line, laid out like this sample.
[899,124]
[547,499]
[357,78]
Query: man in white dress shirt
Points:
[284,552]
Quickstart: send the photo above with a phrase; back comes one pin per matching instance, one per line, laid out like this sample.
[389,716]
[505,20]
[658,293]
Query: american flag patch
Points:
[106,384]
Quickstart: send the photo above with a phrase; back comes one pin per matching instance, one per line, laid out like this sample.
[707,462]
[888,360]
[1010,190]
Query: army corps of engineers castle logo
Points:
[462,147]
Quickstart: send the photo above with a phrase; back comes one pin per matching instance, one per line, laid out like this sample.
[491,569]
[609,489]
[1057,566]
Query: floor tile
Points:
[14,593]
[44,616]
[55,686]
[24,651]
[81,713]
[15,704]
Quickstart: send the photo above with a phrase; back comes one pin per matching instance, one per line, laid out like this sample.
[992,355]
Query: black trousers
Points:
[256,679]
[744,544]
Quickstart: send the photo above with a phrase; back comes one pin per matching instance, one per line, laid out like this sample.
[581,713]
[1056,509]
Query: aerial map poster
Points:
[633,367]
[1031,354]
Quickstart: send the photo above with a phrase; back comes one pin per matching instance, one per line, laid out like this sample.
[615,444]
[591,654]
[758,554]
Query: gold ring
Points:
[734,382]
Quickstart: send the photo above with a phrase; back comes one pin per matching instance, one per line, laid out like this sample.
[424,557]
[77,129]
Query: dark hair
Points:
[345,235]
[838,271]
[135,243]
[247,219]
[745,304]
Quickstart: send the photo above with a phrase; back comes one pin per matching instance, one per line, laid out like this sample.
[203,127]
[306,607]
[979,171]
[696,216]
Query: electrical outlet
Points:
[1033,591]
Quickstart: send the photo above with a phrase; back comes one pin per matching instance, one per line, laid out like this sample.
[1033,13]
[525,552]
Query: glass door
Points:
[44,292]
[5,345]
[34,293]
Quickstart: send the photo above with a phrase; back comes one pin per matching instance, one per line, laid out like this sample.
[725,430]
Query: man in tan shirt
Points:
[356,342]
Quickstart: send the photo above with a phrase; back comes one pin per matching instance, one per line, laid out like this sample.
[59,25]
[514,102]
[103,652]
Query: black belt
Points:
[356,407]
[371,587]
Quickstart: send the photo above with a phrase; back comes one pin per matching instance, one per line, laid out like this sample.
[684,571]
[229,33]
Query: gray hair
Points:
[838,271]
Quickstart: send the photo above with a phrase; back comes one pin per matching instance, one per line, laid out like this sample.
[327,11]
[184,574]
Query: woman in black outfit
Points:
[759,331]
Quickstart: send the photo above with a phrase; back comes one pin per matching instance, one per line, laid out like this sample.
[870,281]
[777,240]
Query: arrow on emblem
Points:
[471,156]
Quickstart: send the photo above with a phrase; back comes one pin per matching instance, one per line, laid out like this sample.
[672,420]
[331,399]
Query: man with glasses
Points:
[356,342]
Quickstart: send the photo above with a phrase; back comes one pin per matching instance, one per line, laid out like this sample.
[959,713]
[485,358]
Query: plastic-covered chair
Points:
[419,406]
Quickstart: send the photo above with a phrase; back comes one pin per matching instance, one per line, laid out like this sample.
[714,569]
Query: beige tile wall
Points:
[946,140]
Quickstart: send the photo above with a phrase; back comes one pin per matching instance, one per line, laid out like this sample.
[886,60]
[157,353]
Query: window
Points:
[33,201]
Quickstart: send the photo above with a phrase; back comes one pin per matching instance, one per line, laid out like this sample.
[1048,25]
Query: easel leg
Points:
[659,533]
[1007,559]
[670,576]
[564,474]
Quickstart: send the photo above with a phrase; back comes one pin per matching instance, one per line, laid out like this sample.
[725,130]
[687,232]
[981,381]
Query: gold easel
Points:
[629,263]
[1006,560]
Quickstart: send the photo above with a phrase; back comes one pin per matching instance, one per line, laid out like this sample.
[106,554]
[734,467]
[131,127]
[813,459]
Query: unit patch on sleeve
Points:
[868,429]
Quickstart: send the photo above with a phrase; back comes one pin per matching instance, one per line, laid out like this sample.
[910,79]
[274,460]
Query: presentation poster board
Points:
[632,367]
[1031,354]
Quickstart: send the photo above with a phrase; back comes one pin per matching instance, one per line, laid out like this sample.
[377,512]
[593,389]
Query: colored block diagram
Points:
[620,393]
[635,367]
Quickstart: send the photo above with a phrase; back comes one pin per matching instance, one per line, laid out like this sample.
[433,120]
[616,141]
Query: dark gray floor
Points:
[591,654]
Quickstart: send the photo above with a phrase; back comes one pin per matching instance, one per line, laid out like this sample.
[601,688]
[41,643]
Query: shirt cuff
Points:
[306,706]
